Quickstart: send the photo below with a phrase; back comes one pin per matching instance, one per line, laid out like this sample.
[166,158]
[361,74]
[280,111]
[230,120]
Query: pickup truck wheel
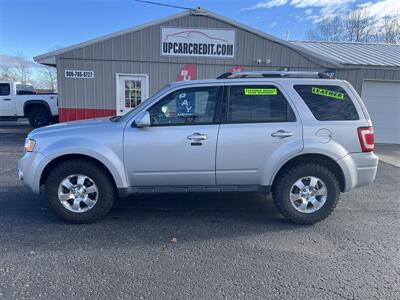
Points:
[79,191]
[38,117]
[306,193]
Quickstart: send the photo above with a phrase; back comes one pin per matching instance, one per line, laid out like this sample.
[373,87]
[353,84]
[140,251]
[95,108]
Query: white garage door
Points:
[382,99]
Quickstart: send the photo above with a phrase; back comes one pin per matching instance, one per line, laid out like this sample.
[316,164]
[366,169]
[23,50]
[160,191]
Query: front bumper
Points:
[359,169]
[30,169]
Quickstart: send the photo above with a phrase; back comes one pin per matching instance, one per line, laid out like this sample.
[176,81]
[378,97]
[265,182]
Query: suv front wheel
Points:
[306,193]
[79,191]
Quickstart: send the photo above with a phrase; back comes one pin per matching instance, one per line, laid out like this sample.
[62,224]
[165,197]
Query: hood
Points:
[77,126]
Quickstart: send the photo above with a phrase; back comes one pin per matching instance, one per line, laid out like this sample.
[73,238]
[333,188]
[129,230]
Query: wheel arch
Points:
[56,161]
[28,105]
[316,158]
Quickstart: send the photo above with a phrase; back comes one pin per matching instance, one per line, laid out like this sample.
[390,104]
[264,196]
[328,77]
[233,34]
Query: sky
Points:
[34,27]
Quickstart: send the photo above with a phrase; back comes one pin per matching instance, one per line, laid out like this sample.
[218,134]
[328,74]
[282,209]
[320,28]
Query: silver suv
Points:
[299,135]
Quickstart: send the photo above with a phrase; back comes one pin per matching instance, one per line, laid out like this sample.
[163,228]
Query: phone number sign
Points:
[79,74]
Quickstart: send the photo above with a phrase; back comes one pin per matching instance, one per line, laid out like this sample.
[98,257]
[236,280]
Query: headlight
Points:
[29,145]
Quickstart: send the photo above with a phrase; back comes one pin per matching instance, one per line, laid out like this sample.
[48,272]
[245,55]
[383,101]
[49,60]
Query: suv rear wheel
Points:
[79,191]
[306,193]
[38,117]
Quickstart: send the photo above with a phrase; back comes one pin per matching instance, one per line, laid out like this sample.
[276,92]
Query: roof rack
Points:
[273,74]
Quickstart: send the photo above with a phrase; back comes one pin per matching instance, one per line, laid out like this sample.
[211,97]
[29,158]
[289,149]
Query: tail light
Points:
[366,137]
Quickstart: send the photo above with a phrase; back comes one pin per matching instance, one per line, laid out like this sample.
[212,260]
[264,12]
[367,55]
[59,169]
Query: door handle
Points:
[7,99]
[197,137]
[282,134]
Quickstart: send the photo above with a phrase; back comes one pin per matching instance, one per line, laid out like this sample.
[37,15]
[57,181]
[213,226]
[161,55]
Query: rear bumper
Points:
[30,168]
[359,169]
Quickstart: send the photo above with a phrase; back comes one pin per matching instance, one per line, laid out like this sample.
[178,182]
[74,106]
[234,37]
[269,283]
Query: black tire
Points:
[106,190]
[38,117]
[282,188]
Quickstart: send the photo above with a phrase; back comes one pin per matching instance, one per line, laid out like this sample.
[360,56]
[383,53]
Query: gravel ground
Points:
[197,246]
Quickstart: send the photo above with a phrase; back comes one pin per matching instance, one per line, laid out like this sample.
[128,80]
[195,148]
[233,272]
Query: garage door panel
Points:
[378,104]
[387,135]
[382,99]
[374,88]
[385,120]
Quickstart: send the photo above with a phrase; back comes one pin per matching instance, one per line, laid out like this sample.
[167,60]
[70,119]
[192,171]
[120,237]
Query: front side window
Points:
[328,102]
[4,89]
[258,104]
[186,106]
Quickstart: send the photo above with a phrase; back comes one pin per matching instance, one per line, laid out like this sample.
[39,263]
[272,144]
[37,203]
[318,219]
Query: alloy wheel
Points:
[78,193]
[308,194]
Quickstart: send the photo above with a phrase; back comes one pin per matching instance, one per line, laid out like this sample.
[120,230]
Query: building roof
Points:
[335,53]
[352,53]
[49,58]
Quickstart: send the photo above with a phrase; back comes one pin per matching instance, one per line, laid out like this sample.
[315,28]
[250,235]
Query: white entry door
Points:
[131,91]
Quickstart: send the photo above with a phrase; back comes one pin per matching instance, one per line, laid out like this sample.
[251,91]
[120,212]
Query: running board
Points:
[132,190]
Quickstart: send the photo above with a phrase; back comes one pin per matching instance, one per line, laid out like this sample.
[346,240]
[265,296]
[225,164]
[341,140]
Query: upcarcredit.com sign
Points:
[197,42]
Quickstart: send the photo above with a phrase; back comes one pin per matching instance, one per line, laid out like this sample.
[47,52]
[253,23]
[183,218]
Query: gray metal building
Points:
[111,74]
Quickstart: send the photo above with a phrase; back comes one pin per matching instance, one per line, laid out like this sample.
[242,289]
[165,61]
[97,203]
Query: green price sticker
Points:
[260,92]
[327,93]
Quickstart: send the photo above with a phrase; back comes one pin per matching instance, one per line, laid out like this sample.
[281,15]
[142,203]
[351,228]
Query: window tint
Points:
[327,102]
[186,106]
[4,89]
[251,104]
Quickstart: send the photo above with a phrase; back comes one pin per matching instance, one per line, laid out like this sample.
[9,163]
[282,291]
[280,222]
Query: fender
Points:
[332,150]
[35,101]
[278,158]
[105,155]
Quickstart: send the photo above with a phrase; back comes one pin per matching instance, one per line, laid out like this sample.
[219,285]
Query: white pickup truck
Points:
[21,101]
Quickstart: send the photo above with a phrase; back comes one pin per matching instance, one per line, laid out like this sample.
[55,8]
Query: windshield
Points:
[138,107]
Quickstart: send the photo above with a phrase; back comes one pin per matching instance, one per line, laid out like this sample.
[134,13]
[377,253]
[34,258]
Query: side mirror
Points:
[142,120]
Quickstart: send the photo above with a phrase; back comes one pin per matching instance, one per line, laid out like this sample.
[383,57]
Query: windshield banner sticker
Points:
[327,93]
[260,92]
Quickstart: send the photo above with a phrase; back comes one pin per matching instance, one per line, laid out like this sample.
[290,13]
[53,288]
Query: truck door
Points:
[6,100]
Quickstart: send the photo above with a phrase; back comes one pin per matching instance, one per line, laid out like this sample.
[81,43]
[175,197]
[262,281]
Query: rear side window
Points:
[327,102]
[258,104]
[4,89]
[24,89]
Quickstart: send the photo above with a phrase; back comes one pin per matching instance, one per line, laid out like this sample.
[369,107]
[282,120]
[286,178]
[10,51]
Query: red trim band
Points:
[71,114]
